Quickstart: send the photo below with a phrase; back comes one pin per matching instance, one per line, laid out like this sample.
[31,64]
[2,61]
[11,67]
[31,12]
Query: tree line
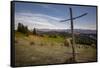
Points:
[24,29]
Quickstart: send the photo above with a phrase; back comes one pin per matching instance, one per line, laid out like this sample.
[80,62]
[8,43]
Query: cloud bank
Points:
[39,21]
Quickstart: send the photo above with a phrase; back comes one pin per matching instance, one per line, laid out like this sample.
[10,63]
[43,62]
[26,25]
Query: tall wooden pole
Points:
[72,31]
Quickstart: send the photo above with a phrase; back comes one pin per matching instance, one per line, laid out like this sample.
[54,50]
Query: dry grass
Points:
[48,51]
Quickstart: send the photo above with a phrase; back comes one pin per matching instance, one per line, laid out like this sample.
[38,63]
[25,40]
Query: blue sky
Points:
[48,16]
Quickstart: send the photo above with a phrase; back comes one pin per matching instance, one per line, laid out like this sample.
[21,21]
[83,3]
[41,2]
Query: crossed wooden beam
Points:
[72,30]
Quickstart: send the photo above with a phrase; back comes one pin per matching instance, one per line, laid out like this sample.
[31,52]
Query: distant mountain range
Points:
[86,31]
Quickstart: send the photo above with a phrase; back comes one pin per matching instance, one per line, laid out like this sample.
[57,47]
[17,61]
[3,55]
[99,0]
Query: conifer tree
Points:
[34,31]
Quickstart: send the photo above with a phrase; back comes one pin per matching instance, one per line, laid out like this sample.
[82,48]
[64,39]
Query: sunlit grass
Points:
[36,50]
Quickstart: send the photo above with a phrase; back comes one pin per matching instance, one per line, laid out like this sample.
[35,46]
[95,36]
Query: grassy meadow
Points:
[40,50]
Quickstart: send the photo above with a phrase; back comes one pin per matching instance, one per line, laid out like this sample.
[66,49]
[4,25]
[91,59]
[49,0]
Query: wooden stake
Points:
[72,31]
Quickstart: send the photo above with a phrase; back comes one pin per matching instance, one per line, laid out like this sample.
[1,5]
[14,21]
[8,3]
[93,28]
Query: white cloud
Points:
[38,21]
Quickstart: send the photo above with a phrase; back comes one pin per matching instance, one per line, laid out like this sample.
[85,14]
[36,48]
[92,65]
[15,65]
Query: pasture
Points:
[40,50]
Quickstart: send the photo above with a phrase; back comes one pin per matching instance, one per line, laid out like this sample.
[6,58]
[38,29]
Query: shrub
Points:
[32,43]
[66,43]
[53,36]
[41,35]
[41,44]
[93,45]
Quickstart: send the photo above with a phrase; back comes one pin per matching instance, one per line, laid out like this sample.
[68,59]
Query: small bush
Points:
[52,36]
[27,35]
[66,43]
[93,45]
[32,43]
[41,35]
[41,44]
